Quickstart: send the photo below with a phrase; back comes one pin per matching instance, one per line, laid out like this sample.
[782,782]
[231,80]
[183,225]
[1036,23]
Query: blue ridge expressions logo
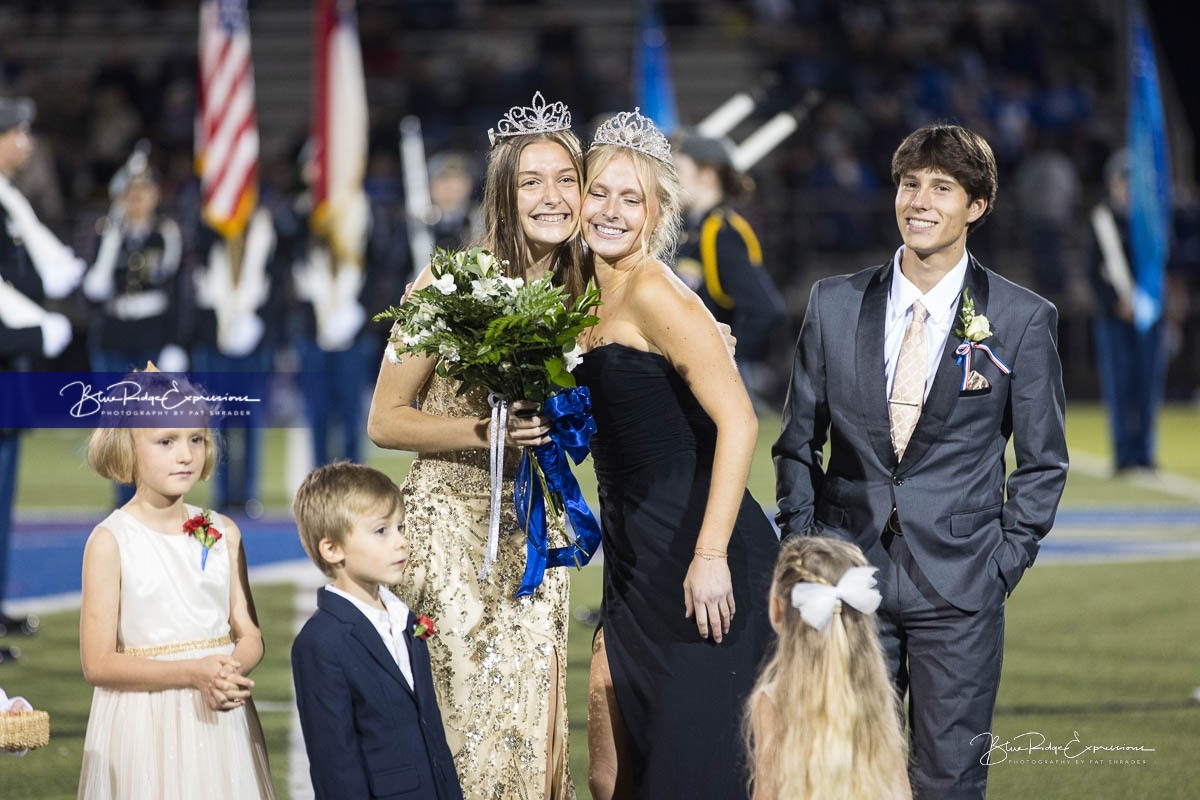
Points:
[140,400]
[129,399]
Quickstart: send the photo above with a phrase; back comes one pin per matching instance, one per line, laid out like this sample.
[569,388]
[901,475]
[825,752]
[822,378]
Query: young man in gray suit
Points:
[918,372]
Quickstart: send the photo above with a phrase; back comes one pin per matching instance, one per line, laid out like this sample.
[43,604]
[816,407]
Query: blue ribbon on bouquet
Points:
[571,429]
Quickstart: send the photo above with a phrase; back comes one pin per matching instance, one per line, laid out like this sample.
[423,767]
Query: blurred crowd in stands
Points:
[1042,81]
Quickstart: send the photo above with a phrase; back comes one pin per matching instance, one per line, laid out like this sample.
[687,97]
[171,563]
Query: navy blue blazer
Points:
[366,732]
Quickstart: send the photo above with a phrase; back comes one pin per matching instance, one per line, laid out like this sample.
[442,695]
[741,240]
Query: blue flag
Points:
[653,91]
[1149,174]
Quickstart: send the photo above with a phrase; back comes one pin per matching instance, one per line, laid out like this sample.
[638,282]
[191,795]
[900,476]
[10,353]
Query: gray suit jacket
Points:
[963,528]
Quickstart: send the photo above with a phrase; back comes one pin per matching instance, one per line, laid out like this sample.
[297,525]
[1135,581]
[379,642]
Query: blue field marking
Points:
[1133,549]
[47,554]
[1127,517]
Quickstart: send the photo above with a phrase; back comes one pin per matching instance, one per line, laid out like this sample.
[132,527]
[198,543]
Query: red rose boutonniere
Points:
[423,628]
[201,527]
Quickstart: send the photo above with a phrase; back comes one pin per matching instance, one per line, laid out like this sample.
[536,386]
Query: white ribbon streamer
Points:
[816,602]
[497,431]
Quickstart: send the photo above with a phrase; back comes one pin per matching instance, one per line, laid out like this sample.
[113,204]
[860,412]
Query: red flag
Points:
[339,132]
[226,125]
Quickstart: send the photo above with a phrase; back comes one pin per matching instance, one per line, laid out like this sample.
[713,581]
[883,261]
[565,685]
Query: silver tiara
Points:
[631,129]
[541,117]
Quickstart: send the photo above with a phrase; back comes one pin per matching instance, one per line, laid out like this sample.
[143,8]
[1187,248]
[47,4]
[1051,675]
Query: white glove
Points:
[56,334]
[62,279]
[241,335]
[173,358]
[336,331]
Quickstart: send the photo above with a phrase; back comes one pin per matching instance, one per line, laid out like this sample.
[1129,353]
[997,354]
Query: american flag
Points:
[339,131]
[226,126]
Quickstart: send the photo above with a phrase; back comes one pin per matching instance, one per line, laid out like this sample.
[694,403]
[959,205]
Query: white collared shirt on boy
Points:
[941,302]
[390,624]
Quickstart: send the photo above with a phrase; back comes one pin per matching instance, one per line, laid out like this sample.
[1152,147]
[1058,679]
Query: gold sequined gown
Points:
[492,654]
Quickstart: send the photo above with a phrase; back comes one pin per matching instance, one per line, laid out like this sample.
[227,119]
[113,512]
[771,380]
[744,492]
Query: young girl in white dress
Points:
[168,633]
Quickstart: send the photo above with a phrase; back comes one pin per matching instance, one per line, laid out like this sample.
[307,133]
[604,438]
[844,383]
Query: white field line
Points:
[305,603]
[1095,466]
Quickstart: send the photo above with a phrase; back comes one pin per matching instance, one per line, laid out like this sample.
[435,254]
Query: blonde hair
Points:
[836,731]
[110,449]
[659,181]
[330,500]
[110,454]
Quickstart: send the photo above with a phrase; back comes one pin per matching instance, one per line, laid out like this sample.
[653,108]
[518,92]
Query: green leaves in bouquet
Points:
[506,335]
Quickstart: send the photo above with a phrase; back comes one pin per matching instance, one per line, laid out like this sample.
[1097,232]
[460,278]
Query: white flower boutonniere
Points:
[975,327]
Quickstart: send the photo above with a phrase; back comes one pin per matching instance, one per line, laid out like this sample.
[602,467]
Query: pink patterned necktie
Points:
[908,384]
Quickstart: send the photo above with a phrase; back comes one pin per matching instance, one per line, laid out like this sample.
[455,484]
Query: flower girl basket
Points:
[24,730]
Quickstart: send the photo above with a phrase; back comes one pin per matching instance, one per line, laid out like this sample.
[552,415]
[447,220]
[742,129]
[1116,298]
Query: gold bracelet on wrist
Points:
[710,553]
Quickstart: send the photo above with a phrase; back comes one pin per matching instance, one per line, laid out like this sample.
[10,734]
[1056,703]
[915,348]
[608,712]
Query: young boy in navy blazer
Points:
[361,666]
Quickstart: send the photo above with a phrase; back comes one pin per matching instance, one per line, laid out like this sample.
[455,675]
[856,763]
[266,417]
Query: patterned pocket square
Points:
[975,382]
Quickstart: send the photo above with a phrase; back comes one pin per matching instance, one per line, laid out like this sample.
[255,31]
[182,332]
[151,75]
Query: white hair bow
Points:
[816,601]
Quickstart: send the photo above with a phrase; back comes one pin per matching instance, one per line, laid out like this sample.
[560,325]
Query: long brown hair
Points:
[503,234]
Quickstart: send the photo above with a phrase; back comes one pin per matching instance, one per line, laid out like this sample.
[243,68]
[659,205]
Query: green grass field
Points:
[1105,654]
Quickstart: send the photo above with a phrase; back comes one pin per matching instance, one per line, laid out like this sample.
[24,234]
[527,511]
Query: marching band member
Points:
[34,266]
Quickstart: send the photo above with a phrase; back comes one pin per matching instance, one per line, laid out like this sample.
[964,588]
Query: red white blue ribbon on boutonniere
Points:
[963,357]
[547,475]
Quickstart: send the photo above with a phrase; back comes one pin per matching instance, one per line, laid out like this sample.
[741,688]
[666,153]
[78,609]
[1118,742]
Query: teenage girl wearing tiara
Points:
[499,662]
[167,633]
[687,551]
[823,720]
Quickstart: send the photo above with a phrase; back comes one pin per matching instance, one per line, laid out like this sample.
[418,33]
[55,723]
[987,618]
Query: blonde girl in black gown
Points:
[688,553]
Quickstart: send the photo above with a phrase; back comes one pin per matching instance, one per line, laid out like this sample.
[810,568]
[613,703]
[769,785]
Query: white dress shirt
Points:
[941,302]
[390,624]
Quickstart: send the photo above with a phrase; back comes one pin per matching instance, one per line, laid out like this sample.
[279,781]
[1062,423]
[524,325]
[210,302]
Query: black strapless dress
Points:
[682,698]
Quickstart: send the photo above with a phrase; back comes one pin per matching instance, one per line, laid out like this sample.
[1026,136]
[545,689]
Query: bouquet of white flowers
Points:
[512,337]
[517,340]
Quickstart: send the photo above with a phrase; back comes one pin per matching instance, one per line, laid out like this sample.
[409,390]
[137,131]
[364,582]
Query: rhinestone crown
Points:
[541,117]
[631,129]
